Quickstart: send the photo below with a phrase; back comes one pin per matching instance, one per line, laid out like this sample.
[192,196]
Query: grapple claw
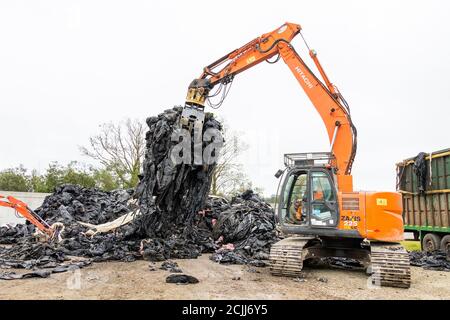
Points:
[192,117]
[58,229]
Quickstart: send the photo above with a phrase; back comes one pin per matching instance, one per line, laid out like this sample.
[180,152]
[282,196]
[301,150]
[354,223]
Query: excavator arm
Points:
[52,232]
[325,97]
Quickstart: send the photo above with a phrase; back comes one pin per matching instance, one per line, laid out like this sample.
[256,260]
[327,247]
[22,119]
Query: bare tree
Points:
[228,177]
[120,148]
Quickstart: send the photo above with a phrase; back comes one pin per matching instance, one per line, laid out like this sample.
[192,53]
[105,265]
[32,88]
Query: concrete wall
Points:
[33,199]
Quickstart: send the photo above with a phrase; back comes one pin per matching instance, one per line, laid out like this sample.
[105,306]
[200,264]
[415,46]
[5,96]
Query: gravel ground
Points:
[117,280]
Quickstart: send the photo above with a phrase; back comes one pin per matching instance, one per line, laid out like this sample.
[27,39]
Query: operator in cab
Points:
[297,209]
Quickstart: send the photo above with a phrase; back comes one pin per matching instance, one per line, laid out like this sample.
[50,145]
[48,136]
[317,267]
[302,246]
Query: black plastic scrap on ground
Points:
[437,260]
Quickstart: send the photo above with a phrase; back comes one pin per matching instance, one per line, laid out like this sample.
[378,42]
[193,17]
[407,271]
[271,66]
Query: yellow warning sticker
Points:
[251,59]
[382,202]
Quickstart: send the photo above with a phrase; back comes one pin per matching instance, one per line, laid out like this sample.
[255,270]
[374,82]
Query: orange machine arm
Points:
[27,213]
[328,101]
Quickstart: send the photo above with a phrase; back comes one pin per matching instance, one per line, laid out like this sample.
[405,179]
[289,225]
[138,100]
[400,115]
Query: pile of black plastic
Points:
[213,208]
[176,220]
[69,204]
[171,194]
[437,260]
[73,204]
[41,258]
[246,231]
[10,234]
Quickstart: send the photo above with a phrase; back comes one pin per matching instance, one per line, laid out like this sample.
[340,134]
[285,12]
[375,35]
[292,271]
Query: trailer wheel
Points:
[431,242]
[445,243]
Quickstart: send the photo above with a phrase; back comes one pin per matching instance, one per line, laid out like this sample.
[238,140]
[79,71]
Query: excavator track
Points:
[286,257]
[390,265]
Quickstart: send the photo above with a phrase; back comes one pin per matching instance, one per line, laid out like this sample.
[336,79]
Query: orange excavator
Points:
[51,233]
[318,210]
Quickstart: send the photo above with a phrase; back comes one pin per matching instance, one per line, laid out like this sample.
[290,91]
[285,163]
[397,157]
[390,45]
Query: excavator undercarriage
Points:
[386,263]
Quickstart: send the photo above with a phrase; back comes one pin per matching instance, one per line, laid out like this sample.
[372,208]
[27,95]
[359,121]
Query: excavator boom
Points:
[52,232]
[327,100]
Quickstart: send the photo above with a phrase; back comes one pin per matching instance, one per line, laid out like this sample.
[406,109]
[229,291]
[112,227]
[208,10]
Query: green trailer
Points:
[426,199]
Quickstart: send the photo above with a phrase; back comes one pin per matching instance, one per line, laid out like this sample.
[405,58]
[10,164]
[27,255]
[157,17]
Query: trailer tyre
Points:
[431,242]
[445,243]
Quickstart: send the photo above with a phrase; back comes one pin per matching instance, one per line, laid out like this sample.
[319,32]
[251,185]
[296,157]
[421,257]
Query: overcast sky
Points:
[68,66]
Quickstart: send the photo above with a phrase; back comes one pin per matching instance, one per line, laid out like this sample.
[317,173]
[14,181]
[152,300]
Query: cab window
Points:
[323,206]
[295,194]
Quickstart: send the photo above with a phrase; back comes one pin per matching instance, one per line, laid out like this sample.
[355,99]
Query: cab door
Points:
[293,207]
[323,207]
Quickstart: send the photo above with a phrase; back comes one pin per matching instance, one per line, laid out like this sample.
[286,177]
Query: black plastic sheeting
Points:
[437,260]
[171,266]
[170,197]
[246,231]
[42,258]
[68,205]
[213,208]
[13,234]
[240,232]
[32,274]
[30,254]
[177,220]
[420,169]
[45,271]
[181,279]
[341,263]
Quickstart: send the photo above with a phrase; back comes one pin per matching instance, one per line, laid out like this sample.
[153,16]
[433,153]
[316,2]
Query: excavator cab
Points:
[308,197]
